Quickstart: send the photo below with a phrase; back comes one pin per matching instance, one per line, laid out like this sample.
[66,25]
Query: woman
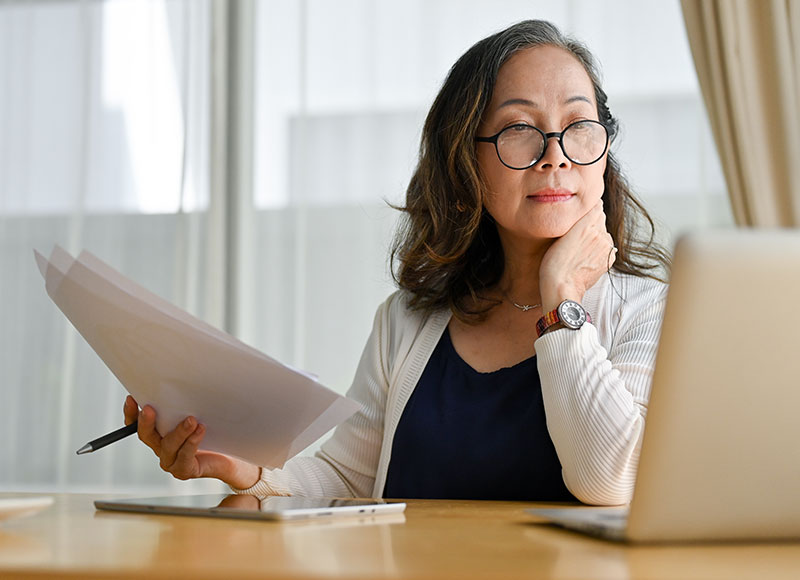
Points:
[515,361]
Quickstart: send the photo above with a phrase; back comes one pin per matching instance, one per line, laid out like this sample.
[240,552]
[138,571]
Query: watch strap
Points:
[545,322]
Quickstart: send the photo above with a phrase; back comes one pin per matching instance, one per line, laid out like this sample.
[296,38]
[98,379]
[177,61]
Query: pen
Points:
[108,439]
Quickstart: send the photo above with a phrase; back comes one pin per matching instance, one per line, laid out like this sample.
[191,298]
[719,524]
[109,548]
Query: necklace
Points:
[525,307]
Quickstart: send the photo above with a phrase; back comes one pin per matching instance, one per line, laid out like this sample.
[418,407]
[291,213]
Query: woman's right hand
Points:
[577,260]
[178,451]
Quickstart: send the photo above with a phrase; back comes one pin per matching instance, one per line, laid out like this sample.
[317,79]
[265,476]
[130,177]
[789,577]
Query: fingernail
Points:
[188,422]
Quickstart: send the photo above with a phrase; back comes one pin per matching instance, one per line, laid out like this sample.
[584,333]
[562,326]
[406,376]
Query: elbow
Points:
[598,497]
[606,478]
[601,490]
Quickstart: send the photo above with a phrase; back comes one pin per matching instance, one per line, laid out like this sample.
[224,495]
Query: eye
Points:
[581,127]
[519,128]
[579,119]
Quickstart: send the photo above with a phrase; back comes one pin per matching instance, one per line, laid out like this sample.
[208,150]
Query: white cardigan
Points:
[595,384]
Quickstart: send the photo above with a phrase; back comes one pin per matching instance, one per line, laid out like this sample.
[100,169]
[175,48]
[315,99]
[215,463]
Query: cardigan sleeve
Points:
[346,464]
[595,396]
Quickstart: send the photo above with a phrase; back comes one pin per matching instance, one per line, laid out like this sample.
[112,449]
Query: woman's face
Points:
[548,88]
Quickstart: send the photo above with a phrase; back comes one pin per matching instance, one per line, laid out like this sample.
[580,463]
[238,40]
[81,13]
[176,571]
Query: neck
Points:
[520,280]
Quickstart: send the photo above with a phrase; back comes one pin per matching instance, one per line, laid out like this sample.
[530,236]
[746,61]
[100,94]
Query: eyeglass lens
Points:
[521,146]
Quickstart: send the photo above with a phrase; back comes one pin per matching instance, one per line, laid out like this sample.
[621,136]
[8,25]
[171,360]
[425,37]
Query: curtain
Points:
[747,55]
[104,141]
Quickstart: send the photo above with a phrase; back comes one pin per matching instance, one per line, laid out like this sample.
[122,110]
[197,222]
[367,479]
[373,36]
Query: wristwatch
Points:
[569,314]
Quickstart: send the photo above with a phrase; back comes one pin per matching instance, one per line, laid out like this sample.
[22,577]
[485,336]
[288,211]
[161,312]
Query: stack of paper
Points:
[253,406]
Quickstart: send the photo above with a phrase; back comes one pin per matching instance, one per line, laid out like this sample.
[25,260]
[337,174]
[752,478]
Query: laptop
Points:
[720,456]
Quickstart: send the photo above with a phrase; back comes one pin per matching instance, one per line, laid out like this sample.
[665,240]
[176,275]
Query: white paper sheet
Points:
[253,406]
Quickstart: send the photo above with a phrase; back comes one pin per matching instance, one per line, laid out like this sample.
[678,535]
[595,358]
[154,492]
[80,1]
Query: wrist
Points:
[552,298]
[569,314]
[242,475]
[543,329]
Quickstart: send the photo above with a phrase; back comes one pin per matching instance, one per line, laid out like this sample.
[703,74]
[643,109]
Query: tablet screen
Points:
[253,507]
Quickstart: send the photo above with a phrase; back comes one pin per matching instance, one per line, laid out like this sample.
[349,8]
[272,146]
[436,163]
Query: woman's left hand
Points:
[575,262]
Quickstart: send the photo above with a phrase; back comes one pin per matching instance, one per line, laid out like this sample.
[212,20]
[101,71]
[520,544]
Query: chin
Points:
[550,231]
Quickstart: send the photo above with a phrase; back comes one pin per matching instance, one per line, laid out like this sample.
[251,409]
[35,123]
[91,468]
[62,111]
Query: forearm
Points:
[595,414]
[308,477]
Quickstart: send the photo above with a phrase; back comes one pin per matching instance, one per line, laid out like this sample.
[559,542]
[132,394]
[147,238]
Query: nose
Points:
[553,155]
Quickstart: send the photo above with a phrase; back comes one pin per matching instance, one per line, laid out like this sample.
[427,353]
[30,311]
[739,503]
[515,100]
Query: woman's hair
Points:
[447,251]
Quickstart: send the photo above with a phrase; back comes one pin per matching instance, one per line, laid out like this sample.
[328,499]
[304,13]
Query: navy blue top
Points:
[470,435]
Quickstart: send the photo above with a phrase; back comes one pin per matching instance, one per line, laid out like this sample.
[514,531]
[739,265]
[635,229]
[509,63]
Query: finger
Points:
[600,215]
[594,217]
[603,242]
[592,213]
[612,257]
[598,245]
[185,465]
[130,409]
[147,429]
[172,442]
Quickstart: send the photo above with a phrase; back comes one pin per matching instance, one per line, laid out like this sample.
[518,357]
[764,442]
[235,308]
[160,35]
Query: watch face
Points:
[571,314]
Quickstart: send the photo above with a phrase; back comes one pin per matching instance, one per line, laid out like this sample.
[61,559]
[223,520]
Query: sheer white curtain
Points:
[341,90]
[104,141]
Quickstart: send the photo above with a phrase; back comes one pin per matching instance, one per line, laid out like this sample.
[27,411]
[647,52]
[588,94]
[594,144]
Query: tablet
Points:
[253,507]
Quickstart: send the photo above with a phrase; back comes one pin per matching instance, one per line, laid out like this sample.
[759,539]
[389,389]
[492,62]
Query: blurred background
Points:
[237,158]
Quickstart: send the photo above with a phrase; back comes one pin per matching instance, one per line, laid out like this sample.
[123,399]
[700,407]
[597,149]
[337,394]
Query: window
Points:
[342,90]
[105,144]
[104,140]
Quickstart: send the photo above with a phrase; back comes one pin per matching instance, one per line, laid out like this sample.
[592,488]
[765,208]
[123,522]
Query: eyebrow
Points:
[533,104]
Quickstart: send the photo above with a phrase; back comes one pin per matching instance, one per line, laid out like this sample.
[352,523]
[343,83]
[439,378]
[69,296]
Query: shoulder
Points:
[639,289]
[396,312]
[616,290]
[622,301]
[402,330]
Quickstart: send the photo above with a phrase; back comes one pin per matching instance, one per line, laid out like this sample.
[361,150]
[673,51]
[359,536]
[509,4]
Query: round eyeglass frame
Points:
[546,138]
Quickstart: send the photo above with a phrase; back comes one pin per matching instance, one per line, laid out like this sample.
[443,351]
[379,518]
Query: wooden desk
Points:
[435,539]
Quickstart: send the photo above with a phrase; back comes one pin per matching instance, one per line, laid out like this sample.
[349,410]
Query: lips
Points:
[549,195]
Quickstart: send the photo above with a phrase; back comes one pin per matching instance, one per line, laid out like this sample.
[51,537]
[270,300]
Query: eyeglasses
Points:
[521,146]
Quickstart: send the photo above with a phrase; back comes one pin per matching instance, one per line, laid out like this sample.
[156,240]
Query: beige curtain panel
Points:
[747,55]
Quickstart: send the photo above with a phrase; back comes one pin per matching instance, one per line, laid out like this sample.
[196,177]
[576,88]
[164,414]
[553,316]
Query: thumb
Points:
[212,464]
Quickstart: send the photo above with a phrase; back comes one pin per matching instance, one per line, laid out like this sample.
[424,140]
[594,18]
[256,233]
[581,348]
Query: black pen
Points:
[108,439]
